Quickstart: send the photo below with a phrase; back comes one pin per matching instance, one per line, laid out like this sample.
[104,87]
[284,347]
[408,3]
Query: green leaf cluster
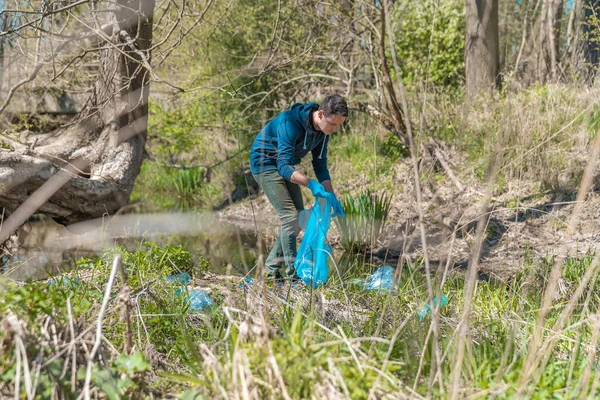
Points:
[365,217]
[123,379]
[430,41]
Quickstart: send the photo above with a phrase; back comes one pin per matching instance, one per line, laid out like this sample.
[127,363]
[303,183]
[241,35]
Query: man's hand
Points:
[336,206]
[317,189]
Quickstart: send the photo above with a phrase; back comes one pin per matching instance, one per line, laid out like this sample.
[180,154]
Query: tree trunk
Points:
[592,35]
[481,47]
[394,106]
[539,60]
[88,168]
[582,56]
[1,59]
[3,24]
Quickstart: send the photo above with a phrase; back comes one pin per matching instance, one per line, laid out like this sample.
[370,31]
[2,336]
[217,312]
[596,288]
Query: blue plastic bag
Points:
[246,283]
[196,298]
[441,299]
[199,299]
[311,260]
[182,278]
[72,282]
[381,279]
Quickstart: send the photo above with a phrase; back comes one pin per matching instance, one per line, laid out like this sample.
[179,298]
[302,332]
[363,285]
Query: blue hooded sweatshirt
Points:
[287,138]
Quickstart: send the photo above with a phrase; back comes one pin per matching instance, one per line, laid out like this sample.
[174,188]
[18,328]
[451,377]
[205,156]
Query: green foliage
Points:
[166,302]
[301,361]
[306,354]
[40,303]
[152,262]
[36,301]
[535,128]
[365,217]
[132,364]
[124,378]
[172,132]
[159,188]
[594,122]
[430,41]
[575,268]
[187,181]
[365,153]
[190,394]
[394,148]
[233,114]
[179,259]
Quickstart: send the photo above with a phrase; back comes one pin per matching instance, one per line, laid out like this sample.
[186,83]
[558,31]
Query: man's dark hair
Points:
[334,105]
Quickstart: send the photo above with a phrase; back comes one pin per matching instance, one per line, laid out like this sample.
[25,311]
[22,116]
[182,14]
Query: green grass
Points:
[340,344]
[361,155]
[335,341]
[186,181]
[365,218]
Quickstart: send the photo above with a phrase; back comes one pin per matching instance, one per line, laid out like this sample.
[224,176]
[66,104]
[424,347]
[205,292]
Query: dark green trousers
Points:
[286,198]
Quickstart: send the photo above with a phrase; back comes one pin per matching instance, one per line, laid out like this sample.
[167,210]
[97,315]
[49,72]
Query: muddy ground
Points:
[523,222]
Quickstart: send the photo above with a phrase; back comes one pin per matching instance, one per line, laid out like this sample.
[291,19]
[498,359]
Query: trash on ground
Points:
[66,281]
[196,298]
[381,279]
[199,299]
[246,283]
[182,278]
[425,311]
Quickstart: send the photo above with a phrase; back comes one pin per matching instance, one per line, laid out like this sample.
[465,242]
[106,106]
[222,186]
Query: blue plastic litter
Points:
[381,279]
[199,299]
[425,311]
[247,282]
[196,298]
[182,278]
[313,255]
[72,282]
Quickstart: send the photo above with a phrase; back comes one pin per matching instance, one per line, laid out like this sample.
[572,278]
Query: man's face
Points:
[329,124]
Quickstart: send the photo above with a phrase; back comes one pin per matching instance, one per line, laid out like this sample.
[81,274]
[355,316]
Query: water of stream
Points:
[47,248]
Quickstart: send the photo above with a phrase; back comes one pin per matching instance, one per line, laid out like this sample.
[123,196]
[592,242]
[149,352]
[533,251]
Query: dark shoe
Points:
[296,282]
[274,277]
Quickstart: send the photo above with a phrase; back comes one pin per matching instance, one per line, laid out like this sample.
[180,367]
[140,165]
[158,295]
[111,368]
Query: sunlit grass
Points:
[365,218]
[339,339]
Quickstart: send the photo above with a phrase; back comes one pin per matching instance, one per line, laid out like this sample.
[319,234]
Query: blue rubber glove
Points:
[316,188]
[336,206]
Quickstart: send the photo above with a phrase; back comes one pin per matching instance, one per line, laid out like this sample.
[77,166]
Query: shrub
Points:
[430,41]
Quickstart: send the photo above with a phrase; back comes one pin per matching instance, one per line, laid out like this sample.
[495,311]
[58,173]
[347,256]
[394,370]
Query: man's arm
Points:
[301,179]
[327,185]
[287,133]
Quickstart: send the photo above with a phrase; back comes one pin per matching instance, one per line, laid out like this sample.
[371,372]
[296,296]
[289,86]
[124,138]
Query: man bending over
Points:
[281,144]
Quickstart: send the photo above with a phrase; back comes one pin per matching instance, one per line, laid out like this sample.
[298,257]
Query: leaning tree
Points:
[84,167]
